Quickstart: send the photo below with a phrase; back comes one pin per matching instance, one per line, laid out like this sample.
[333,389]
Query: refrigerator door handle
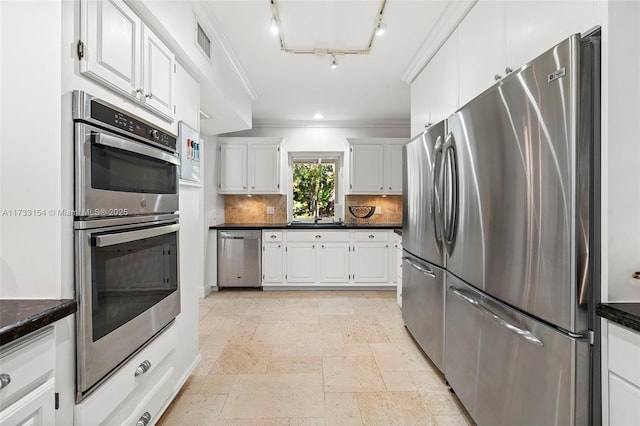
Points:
[524,333]
[450,183]
[426,271]
[436,193]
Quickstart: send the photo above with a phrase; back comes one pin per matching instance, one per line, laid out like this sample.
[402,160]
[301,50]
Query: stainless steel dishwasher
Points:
[239,258]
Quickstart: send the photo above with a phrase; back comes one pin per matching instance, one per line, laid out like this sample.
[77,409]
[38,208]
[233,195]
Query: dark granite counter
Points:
[307,226]
[19,317]
[626,314]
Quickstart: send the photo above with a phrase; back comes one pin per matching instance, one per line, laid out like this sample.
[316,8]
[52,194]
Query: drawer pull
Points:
[144,419]
[318,236]
[273,236]
[5,379]
[371,236]
[143,368]
[636,275]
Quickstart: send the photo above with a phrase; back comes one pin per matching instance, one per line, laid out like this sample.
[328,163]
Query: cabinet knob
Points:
[313,246]
[636,275]
[318,236]
[322,246]
[253,187]
[5,379]
[144,419]
[508,70]
[143,368]
[389,188]
[497,77]
[381,187]
[371,236]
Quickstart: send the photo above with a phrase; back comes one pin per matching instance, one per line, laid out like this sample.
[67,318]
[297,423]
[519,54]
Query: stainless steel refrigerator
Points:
[515,184]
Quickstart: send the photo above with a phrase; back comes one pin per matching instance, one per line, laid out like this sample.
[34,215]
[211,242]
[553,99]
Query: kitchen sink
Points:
[313,225]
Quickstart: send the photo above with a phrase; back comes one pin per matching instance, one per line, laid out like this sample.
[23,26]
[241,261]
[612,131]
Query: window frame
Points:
[337,158]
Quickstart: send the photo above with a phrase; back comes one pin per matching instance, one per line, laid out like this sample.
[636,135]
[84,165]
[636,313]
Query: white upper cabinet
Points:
[120,52]
[232,168]
[482,52]
[159,68]
[264,163]
[533,27]
[434,93]
[393,168]
[497,37]
[376,166]
[250,166]
[366,169]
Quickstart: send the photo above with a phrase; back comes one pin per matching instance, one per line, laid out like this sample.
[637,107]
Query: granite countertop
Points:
[19,317]
[305,226]
[626,314]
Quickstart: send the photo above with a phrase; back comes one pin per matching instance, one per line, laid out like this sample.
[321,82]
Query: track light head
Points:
[275,26]
[334,62]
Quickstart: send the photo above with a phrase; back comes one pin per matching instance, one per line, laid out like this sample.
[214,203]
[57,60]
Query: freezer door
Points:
[421,199]
[423,288]
[510,201]
[508,369]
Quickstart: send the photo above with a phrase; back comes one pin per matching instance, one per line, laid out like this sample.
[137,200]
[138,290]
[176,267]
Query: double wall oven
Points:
[126,236]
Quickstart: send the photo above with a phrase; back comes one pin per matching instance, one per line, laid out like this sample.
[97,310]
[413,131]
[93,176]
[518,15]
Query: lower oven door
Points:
[127,285]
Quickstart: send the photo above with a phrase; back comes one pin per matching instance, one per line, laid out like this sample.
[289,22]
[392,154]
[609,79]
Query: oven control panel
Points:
[131,124]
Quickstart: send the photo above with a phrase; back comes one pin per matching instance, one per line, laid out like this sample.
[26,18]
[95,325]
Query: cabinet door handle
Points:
[636,275]
[508,70]
[382,187]
[144,419]
[143,368]
[313,246]
[5,379]
[149,95]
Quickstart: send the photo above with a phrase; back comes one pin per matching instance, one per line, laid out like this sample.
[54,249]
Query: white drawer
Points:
[271,236]
[124,389]
[369,235]
[624,353]
[326,236]
[152,403]
[29,362]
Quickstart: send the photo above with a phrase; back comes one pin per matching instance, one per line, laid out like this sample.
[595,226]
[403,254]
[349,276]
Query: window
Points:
[314,194]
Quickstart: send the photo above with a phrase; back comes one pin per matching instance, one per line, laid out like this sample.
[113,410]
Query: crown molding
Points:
[206,14]
[453,14]
[331,123]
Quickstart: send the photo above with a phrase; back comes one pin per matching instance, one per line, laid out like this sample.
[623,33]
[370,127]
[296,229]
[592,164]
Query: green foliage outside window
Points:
[313,190]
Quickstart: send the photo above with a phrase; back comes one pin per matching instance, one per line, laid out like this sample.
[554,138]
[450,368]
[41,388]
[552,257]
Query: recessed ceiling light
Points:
[318,116]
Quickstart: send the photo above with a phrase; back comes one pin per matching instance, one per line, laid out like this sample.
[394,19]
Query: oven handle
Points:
[138,148]
[125,237]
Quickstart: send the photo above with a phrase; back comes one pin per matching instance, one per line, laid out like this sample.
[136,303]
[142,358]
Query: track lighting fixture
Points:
[334,62]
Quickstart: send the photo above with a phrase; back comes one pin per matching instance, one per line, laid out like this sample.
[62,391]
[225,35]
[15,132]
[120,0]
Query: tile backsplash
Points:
[390,208]
[253,209]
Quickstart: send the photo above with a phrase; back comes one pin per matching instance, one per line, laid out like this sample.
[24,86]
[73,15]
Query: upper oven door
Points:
[117,176]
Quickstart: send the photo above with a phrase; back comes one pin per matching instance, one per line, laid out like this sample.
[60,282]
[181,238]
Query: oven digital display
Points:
[131,125]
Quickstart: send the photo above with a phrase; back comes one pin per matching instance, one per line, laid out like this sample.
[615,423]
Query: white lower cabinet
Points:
[328,258]
[624,375]
[130,396]
[27,396]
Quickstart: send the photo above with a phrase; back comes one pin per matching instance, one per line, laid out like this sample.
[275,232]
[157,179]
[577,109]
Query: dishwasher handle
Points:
[239,235]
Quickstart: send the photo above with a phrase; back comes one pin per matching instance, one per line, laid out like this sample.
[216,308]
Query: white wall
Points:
[30,149]
[621,152]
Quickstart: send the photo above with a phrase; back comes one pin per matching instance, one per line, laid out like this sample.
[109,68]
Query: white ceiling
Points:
[295,87]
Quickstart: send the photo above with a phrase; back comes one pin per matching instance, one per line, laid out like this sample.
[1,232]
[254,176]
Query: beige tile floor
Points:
[310,358]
